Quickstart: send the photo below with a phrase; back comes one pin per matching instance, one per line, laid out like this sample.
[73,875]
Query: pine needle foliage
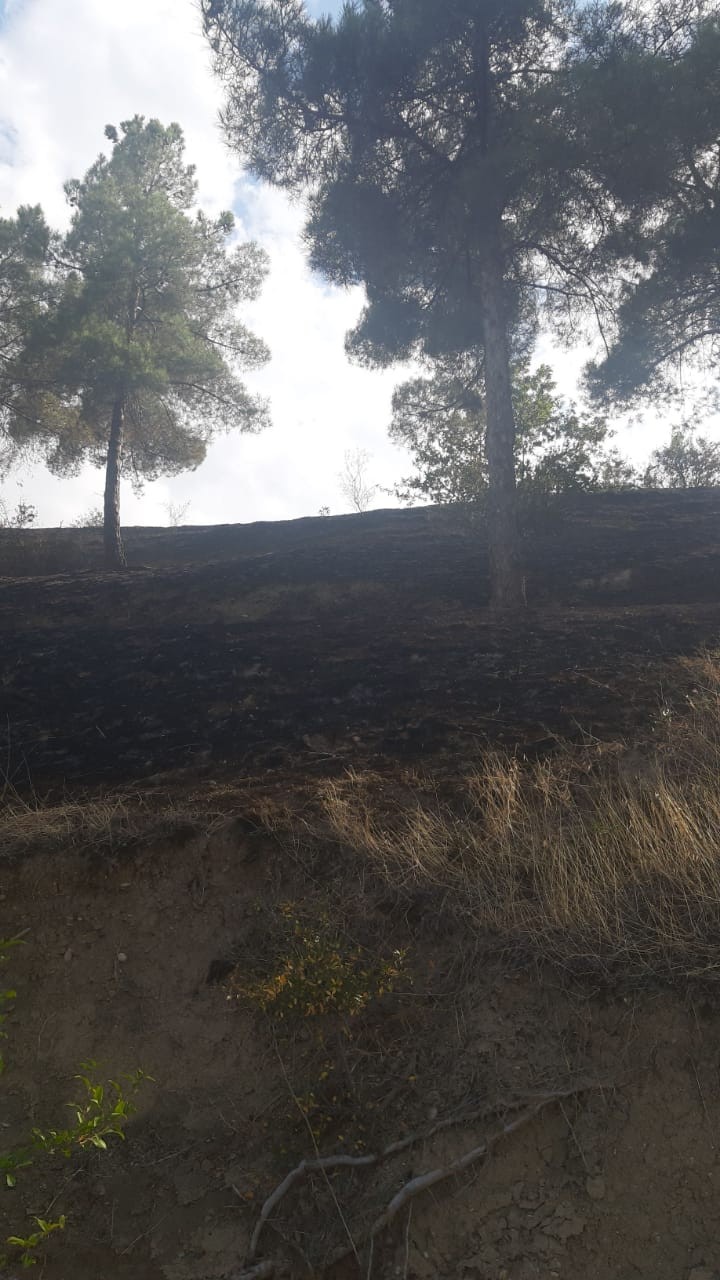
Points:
[135,363]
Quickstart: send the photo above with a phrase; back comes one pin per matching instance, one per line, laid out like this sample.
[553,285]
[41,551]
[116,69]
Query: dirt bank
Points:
[127,960]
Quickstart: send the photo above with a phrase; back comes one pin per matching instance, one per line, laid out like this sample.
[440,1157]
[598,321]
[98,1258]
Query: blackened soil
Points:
[327,642]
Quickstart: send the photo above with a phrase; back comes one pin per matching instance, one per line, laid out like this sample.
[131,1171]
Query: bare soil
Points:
[230,672]
[617,1182]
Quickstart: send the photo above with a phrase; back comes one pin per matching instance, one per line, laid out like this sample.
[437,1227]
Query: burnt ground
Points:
[322,642]
[243,664]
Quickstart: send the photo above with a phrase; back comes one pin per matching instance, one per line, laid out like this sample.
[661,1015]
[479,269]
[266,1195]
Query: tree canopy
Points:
[689,461]
[457,165]
[669,295]
[134,364]
[442,421]
[24,242]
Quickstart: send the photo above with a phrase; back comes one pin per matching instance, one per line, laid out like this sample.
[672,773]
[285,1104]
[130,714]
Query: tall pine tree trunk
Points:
[506,582]
[112,538]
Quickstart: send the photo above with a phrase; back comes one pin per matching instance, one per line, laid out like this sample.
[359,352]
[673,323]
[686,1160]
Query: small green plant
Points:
[11,1162]
[318,974]
[30,1244]
[101,1113]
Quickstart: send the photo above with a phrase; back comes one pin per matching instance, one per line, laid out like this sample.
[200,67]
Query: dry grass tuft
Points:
[97,825]
[594,858]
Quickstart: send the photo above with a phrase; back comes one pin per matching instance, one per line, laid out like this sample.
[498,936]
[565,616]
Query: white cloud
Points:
[68,67]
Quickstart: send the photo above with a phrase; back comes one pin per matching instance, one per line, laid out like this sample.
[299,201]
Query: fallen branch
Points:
[263,1271]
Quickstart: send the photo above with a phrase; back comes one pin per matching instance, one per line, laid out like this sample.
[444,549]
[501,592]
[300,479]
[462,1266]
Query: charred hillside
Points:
[322,642]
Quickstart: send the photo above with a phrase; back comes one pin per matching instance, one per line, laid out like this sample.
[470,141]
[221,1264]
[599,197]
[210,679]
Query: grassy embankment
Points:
[602,857]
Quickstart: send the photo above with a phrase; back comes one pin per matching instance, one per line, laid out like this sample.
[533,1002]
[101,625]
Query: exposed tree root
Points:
[306,1166]
[414,1187]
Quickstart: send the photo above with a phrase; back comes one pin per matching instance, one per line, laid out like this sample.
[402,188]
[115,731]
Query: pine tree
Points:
[457,156]
[135,363]
[24,242]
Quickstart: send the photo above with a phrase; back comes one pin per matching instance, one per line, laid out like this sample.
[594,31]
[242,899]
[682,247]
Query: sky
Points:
[68,68]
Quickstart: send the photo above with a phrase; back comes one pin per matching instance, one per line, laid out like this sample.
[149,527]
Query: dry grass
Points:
[98,825]
[603,857]
[595,858]
[179,804]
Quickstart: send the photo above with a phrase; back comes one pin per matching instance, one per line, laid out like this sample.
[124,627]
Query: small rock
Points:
[571,1227]
[121,957]
[564,1227]
[595,1188]
[68,955]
